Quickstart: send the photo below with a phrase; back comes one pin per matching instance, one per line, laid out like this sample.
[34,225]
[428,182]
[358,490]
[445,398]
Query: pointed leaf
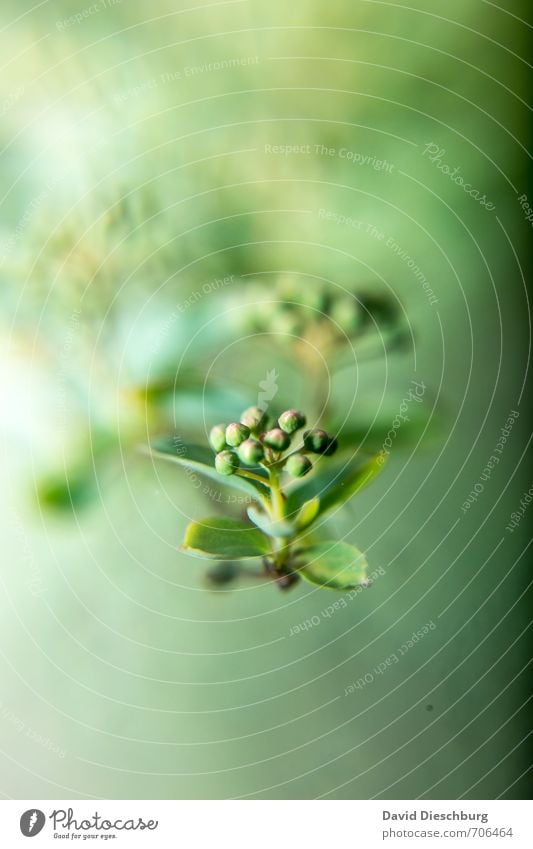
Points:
[335,565]
[225,539]
[371,435]
[76,486]
[200,459]
[69,492]
[272,529]
[334,482]
[307,513]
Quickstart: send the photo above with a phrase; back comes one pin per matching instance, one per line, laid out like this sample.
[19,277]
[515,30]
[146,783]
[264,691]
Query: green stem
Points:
[278,505]
[280,545]
[281,462]
[263,498]
[251,476]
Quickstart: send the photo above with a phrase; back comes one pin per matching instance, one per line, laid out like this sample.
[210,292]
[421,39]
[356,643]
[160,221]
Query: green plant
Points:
[291,481]
[305,316]
[308,316]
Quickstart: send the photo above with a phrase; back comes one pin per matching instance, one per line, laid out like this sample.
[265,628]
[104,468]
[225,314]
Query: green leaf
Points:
[75,487]
[268,526]
[201,459]
[225,539]
[372,435]
[69,492]
[380,343]
[334,483]
[335,565]
[169,385]
[307,513]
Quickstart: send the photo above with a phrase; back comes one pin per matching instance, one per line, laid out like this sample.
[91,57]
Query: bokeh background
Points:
[158,162]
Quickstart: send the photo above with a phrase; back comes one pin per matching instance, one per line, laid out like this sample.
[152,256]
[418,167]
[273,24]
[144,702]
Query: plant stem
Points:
[261,497]
[278,505]
[281,462]
[251,476]
[280,545]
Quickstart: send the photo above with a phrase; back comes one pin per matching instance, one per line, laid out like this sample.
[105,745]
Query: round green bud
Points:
[291,421]
[226,463]
[253,418]
[319,442]
[379,308]
[236,433]
[287,320]
[331,447]
[289,287]
[277,439]
[251,452]
[346,312]
[298,465]
[217,437]
[222,573]
[303,293]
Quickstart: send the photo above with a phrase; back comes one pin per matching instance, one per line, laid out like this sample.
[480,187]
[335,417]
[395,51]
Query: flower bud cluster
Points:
[311,310]
[254,441]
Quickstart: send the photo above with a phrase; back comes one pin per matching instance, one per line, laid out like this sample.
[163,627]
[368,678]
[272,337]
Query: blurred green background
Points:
[146,153]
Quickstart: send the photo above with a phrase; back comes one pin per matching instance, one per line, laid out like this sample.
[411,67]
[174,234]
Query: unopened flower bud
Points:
[319,442]
[331,447]
[226,463]
[251,452]
[298,465]
[346,312]
[277,439]
[217,437]
[287,320]
[379,308]
[253,418]
[236,432]
[291,420]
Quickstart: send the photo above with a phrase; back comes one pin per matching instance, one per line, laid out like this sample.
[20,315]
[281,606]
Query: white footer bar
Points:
[266,824]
